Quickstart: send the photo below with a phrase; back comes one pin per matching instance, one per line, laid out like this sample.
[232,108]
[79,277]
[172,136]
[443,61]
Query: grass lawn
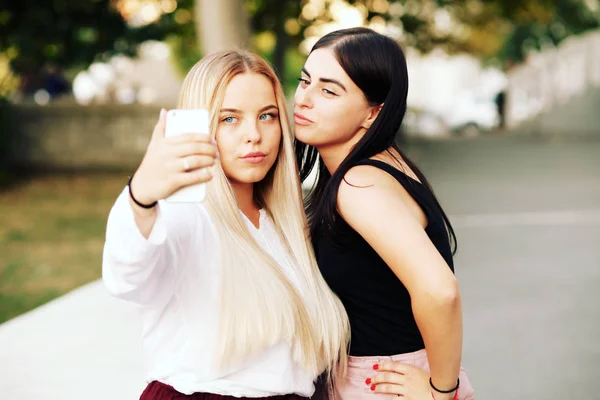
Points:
[51,236]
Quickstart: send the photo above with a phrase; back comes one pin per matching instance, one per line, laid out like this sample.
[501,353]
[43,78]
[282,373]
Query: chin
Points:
[252,177]
[303,134]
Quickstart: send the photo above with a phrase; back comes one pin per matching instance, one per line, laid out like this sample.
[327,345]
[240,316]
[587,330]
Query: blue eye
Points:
[267,117]
[229,120]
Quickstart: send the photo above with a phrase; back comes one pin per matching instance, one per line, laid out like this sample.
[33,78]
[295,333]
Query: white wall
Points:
[437,81]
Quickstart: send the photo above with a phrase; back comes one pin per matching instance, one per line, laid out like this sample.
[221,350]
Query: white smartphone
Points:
[180,121]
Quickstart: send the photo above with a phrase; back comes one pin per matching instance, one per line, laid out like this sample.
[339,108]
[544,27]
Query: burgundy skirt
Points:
[160,391]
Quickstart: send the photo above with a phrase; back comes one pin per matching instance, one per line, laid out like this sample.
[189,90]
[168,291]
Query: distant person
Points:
[57,85]
[230,295]
[501,107]
[382,240]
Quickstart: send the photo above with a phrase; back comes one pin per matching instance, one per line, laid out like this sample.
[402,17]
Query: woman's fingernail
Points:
[218,155]
[372,387]
[368,381]
[376,366]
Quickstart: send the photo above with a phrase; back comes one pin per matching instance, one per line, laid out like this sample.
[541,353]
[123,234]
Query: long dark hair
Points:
[376,64]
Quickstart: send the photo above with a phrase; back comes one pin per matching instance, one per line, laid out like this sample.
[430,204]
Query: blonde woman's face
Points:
[249,132]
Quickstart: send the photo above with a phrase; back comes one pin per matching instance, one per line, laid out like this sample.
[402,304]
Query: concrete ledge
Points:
[69,136]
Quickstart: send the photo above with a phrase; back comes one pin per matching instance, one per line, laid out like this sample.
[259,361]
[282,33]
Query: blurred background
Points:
[504,118]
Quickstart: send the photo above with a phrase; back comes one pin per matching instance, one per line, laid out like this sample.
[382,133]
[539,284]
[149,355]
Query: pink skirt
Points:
[353,386]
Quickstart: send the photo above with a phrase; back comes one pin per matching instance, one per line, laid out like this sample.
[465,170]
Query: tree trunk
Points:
[281,46]
[222,25]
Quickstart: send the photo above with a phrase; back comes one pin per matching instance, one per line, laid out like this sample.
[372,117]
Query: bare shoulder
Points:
[365,175]
[367,187]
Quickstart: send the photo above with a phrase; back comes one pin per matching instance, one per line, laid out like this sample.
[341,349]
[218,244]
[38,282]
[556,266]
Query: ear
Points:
[372,116]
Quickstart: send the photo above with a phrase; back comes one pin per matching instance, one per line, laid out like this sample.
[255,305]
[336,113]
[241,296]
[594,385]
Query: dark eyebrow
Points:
[236,111]
[327,80]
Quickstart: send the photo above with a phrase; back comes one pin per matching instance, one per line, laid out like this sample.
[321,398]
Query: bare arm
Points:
[381,213]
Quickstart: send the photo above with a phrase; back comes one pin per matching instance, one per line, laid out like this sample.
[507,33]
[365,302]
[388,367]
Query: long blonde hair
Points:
[259,305]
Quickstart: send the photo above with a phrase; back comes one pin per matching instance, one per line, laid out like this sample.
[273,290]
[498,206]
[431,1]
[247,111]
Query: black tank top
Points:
[378,305]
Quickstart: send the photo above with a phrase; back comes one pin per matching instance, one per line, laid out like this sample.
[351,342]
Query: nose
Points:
[253,134]
[302,98]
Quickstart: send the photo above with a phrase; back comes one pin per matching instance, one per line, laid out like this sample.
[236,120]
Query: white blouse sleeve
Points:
[141,270]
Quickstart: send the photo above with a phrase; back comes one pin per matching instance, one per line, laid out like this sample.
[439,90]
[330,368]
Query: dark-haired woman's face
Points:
[329,109]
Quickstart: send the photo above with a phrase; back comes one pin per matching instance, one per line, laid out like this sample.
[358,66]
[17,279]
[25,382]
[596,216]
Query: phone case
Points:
[187,121]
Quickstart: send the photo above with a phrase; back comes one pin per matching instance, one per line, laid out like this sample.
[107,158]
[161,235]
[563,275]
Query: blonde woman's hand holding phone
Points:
[171,163]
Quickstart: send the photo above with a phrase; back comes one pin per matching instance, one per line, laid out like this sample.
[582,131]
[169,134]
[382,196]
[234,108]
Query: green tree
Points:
[506,31]
[66,34]
[59,32]
[74,33]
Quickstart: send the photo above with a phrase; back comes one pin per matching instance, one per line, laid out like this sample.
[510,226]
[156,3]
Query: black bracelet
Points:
[445,391]
[147,206]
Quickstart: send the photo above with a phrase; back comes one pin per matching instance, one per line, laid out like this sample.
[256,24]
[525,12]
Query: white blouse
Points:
[173,277]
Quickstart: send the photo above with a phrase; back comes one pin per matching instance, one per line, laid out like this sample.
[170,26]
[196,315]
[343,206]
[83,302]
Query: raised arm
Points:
[147,239]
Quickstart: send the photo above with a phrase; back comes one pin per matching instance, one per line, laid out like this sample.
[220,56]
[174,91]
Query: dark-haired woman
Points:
[382,240]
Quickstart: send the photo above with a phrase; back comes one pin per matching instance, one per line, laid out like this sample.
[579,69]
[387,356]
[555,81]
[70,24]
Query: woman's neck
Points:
[244,196]
[333,155]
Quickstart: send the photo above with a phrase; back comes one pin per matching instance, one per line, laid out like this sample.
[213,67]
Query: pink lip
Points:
[256,157]
[300,119]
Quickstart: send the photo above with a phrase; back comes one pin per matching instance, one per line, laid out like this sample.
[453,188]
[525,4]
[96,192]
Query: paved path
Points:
[527,214]
[85,345]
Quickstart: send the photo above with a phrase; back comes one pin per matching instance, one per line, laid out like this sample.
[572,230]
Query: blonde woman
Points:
[231,298]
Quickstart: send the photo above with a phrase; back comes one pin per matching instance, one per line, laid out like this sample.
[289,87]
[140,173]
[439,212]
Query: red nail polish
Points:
[376,366]
[372,387]
[368,381]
